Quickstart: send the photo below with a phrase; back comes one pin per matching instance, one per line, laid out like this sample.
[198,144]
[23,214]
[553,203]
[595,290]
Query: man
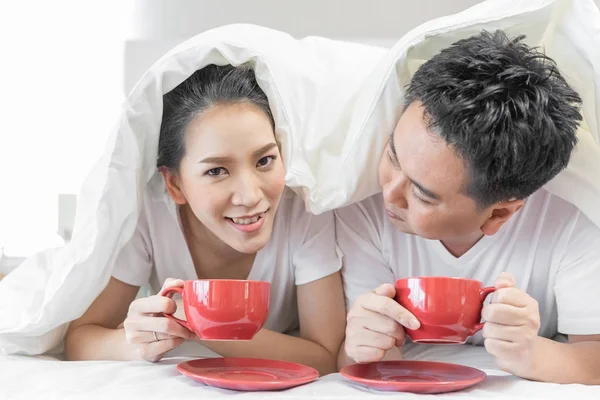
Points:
[487,122]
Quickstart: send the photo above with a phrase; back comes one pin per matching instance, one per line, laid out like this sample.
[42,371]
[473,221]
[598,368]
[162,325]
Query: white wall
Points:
[158,25]
[331,18]
[61,74]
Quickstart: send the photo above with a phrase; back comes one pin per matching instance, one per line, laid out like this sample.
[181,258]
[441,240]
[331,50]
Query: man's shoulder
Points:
[371,209]
[550,219]
[553,210]
[373,205]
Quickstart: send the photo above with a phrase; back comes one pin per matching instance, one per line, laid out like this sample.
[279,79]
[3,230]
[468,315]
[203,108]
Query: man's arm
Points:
[364,267]
[513,318]
[575,362]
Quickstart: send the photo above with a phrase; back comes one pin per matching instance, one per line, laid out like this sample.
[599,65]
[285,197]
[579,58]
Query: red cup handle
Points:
[483,294]
[169,292]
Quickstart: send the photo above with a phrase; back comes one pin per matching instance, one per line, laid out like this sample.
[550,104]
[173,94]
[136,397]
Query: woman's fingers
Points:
[140,329]
[156,350]
[153,305]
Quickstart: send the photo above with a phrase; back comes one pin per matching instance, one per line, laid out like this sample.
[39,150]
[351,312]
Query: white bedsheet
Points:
[40,378]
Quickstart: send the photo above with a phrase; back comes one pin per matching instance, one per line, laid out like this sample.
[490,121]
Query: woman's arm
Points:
[95,335]
[98,334]
[322,322]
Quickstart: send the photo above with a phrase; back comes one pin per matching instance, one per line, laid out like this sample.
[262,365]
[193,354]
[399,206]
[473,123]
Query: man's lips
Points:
[392,215]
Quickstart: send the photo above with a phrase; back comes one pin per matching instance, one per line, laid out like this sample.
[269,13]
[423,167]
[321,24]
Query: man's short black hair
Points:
[504,108]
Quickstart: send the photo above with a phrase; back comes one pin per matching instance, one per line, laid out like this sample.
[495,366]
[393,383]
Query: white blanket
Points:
[334,105]
[25,378]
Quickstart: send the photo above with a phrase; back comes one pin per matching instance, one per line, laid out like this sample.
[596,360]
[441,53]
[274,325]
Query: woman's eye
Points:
[215,171]
[263,162]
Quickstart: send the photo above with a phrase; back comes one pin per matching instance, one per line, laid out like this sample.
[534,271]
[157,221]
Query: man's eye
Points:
[392,158]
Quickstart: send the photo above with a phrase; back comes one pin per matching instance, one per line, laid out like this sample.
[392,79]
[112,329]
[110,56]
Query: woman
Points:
[225,214]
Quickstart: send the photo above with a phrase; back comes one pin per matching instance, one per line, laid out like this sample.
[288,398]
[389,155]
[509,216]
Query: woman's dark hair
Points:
[504,108]
[205,88]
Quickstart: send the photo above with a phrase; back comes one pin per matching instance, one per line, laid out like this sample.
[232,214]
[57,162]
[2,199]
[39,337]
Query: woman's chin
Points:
[251,246]
[249,249]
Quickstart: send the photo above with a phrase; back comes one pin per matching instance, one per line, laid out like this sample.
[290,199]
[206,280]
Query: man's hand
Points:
[512,325]
[375,325]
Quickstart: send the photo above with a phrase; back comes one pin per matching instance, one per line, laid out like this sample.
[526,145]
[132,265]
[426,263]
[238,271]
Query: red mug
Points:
[222,309]
[449,309]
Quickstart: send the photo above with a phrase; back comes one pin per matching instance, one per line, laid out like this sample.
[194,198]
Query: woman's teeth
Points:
[246,221]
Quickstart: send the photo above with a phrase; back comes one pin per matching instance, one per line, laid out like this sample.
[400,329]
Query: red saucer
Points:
[248,373]
[414,376]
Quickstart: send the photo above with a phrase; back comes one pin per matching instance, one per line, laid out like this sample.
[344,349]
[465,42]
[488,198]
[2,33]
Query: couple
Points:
[486,123]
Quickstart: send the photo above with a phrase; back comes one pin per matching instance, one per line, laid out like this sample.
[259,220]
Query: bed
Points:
[45,377]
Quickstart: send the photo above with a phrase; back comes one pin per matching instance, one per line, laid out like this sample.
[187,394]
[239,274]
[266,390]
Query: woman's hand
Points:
[152,333]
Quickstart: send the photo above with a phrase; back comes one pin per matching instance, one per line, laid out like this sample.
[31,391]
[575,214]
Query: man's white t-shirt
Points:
[302,249]
[550,247]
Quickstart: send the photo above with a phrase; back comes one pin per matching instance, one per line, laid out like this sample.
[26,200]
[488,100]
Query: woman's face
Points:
[232,175]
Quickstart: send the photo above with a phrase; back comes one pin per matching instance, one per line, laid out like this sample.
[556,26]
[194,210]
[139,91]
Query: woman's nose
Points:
[247,192]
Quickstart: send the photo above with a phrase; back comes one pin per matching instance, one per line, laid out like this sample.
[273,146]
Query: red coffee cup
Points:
[223,309]
[449,309]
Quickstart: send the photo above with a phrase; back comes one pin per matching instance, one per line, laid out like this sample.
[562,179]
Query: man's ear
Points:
[499,214]
[173,184]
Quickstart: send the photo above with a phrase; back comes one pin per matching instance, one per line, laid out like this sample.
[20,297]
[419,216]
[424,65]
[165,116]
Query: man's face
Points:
[423,183]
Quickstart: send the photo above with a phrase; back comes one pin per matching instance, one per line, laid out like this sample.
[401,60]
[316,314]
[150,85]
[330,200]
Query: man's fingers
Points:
[500,348]
[365,354]
[504,314]
[505,280]
[511,296]
[400,342]
[365,337]
[506,333]
[380,323]
[390,308]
